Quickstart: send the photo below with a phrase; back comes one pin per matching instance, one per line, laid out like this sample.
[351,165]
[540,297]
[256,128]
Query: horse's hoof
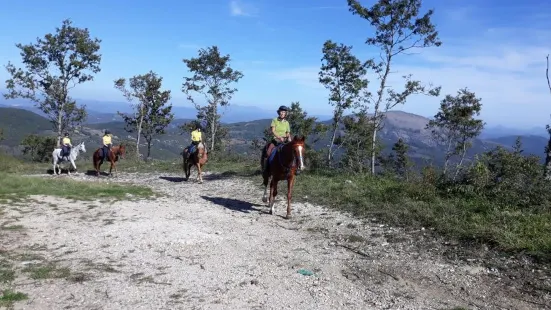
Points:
[288,217]
[271,212]
[264,199]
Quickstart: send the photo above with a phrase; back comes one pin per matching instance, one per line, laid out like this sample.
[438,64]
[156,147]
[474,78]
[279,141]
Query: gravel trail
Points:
[213,246]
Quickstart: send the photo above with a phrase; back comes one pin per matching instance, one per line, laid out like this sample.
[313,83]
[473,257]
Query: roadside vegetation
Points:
[501,198]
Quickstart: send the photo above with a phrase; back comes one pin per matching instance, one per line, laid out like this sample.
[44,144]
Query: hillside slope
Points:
[410,127]
[17,123]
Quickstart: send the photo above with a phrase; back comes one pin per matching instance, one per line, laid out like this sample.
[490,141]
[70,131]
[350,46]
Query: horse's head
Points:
[122,151]
[299,150]
[81,147]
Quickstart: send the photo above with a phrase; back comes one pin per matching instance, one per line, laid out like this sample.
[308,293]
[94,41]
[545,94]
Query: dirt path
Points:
[212,246]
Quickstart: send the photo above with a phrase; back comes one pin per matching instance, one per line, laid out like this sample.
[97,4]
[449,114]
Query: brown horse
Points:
[198,159]
[283,167]
[113,157]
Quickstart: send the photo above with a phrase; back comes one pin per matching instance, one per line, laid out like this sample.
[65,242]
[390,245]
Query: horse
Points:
[198,159]
[57,158]
[112,156]
[282,165]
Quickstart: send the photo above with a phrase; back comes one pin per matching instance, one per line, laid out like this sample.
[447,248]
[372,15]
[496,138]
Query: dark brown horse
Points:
[287,158]
[198,159]
[113,157]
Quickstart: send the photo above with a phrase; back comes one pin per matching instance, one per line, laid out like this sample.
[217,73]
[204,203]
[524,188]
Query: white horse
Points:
[57,158]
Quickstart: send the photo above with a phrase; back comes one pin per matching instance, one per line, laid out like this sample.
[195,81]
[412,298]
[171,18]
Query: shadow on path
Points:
[233,204]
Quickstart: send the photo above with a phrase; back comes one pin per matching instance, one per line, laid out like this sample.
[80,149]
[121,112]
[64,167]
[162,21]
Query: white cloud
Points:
[510,78]
[239,8]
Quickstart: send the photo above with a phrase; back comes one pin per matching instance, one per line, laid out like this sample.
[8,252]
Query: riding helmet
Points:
[66,134]
[283,108]
[107,132]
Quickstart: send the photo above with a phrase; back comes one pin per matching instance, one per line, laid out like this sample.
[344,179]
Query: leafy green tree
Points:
[401,161]
[1,134]
[211,78]
[53,65]
[39,148]
[152,112]
[509,179]
[455,125]
[302,124]
[344,76]
[356,142]
[398,29]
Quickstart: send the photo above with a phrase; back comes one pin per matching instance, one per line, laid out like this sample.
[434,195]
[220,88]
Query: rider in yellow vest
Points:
[66,145]
[107,143]
[196,138]
[281,131]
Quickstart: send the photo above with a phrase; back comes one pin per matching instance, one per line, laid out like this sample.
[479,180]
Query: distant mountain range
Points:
[18,123]
[106,111]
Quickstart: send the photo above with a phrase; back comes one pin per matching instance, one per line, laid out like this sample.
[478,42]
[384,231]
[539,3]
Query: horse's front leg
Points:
[273,194]
[265,196]
[111,169]
[74,165]
[199,173]
[290,183]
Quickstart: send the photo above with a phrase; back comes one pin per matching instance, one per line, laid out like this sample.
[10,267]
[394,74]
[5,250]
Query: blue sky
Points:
[495,48]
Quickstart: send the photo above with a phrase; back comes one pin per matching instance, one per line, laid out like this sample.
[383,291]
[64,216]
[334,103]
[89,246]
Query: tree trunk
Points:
[464,152]
[213,128]
[376,112]
[139,129]
[329,152]
[59,125]
[448,156]
[374,140]
[148,148]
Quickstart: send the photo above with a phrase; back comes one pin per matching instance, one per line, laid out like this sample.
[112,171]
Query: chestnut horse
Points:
[113,157]
[198,159]
[283,166]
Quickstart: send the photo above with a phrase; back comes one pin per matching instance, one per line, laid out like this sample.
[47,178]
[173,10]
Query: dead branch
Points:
[547,73]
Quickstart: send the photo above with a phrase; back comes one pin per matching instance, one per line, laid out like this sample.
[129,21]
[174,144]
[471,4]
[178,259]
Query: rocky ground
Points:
[213,246]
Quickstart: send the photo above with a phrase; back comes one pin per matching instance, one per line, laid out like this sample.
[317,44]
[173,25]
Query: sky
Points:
[495,48]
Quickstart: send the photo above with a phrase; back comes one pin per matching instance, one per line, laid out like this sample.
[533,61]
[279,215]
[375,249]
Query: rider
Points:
[196,138]
[281,130]
[66,145]
[107,142]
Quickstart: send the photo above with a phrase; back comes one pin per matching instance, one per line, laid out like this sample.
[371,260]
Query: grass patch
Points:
[49,271]
[409,204]
[15,186]
[6,275]
[9,297]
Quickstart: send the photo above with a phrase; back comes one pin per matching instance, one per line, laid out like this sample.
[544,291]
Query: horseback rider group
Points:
[279,127]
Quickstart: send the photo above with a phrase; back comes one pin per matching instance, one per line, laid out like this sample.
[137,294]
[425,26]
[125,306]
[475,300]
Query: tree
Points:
[401,161]
[302,124]
[344,76]
[212,77]
[455,125]
[38,147]
[1,134]
[356,141]
[398,28]
[152,114]
[54,65]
